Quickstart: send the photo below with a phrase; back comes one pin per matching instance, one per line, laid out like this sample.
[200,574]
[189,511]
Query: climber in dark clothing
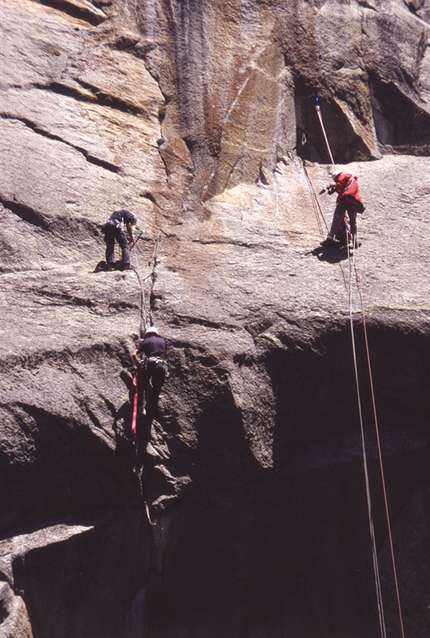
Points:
[119,227]
[150,358]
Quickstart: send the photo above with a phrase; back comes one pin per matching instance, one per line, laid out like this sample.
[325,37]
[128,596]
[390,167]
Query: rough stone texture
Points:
[250,516]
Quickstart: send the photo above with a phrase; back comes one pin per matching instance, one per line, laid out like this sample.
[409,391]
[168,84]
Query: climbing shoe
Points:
[101,266]
[329,242]
[126,267]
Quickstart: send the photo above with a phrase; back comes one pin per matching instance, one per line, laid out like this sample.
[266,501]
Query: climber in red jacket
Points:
[348,201]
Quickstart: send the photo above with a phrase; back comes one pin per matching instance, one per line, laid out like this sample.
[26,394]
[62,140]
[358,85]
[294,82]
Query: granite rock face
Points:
[249,517]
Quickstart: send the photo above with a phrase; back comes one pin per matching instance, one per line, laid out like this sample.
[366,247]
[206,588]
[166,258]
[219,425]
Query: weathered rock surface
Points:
[250,517]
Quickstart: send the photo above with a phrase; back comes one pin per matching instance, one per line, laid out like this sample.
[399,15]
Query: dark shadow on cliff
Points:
[314,382]
[401,122]
[211,525]
[288,552]
[71,460]
[124,439]
[318,458]
[221,457]
[331,255]
[346,145]
[314,387]
[74,480]
[101,569]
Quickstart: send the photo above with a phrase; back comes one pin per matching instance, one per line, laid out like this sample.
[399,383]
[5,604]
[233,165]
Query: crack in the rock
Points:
[367,5]
[184,320]
[93,95]
[89,303]
[106,99]
[232,242]
[26,213]
[64,298]
[93,16]
[97,161]
[93,418]
[150,197]
[161,116]
[63,359]
[60,227]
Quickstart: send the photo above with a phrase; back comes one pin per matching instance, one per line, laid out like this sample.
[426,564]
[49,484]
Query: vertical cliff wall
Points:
[249,517]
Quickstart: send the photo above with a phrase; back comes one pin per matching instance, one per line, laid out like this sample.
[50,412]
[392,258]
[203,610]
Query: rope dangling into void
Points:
[378,440]
[381,465]
[379,600]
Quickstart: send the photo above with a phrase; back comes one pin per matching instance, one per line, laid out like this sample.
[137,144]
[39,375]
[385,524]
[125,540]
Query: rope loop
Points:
[145,312]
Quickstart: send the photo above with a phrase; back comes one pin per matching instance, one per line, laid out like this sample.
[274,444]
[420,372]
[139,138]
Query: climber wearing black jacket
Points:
[119,227]
[150,357]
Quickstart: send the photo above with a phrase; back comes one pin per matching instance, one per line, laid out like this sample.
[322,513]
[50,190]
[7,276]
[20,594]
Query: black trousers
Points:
[348,205]
[150,383]
[113,233]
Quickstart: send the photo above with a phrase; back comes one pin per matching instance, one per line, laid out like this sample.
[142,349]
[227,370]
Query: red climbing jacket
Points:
[346,184]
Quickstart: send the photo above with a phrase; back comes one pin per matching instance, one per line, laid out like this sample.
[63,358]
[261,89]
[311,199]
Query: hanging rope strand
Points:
[381,465]
[153,259]
[148,315]
[152,262]
[378,440]
[381,615]
[318,110]
[315,203]
[145,314]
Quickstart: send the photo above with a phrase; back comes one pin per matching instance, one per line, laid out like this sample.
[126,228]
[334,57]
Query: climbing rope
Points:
[145,314]
[143,310]
[318,110]
[153,260]
[378,588]
[378,439]
[381,616]
[145,318]
[319,214]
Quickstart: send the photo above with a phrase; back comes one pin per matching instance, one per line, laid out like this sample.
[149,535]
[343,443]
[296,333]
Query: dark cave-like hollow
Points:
[287,551]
